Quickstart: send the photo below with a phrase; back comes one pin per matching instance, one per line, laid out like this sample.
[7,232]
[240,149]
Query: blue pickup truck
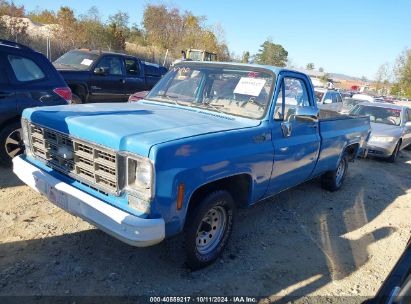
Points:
[208,138]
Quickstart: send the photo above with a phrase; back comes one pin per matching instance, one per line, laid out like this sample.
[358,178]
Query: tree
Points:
[67,32]
[321,70]
[272,54]
[44,16]
[246,57]
[363,78]
[310,66]
[324,78]
[382,78]
[10,9]
[120,19]
[402,73]
[168,28]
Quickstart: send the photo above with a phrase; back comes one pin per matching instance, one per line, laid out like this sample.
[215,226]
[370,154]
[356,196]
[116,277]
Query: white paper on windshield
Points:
[249,86]
[87,62]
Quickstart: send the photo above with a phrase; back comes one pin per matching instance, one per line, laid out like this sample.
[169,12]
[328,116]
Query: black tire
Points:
[333,180]
[218,201]
[395,153]
[76,99]
[7,147]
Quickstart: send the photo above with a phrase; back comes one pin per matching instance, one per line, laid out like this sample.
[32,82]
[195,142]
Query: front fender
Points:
[204,159]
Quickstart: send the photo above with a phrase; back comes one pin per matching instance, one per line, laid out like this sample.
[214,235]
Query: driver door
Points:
[295,152]
[109,86]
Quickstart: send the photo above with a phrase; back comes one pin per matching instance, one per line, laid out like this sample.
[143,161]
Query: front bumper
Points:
[380,150]
[126,227]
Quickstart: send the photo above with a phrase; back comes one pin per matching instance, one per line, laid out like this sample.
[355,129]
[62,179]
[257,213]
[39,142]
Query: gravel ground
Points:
[303,243]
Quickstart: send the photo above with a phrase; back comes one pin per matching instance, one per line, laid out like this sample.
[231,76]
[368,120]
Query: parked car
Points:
[348,104]
[208,138]
[396,288]
[364,97]
[390,128]
[328,99]
[96,76]
[27,79]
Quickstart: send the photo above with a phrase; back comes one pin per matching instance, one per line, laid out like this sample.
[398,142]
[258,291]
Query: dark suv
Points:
[98,76]
[27,79]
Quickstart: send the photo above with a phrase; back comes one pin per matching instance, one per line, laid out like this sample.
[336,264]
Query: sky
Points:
[347,36]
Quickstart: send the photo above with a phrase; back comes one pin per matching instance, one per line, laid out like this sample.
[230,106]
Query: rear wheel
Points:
[11,143]
[395,153]
[208,229]
[333,180]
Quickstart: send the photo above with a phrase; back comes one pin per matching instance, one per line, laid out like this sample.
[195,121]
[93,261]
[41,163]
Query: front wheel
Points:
[11,143]
[333,180]
[208,229]
[76,99]
[395,153]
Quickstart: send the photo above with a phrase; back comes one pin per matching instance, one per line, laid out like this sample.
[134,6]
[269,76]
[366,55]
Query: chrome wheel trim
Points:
[14,144]
[340,171]
[211,230]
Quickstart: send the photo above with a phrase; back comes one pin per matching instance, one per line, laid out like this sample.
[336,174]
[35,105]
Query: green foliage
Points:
[10,9]
[162,28]
[246,57]
[272,54]
[310,66]
[168,28]
[324,78]
[44,17]
[395,90]
[321,70]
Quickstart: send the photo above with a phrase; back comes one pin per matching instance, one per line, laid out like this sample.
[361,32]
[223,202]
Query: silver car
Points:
[390,128]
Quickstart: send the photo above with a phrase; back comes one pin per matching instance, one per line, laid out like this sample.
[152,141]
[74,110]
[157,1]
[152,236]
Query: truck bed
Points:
[337,132]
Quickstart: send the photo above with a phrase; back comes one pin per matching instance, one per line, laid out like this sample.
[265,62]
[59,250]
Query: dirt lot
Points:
[305,241]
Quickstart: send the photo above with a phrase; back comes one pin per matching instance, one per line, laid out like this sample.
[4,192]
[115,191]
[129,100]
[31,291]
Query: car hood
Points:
[133,127]
[67,69]
[379,129]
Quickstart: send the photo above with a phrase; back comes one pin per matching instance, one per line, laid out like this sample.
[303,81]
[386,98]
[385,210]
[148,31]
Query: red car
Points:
[137,96]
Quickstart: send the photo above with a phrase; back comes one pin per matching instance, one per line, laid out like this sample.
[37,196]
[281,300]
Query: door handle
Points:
[123,81]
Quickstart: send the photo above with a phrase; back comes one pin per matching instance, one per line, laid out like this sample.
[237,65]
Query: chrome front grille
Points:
[90,164]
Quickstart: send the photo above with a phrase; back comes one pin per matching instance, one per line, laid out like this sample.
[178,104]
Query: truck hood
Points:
[133,127]
[380,129]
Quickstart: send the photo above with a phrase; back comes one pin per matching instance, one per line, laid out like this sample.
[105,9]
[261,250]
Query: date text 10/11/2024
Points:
[200,299]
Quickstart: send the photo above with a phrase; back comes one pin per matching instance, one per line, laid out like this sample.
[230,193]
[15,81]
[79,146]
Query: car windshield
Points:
[77,60]
[349,103]
[388,116]
[242,92]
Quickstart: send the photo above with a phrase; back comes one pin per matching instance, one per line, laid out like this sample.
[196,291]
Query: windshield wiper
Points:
[207,105]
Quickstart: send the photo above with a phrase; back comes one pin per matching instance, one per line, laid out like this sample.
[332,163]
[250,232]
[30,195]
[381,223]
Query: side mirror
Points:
[100,71]
[306,114]
[328,101]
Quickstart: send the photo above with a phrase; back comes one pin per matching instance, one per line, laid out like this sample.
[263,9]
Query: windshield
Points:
[349,103]
[77,60]
[241,92]
[382,115]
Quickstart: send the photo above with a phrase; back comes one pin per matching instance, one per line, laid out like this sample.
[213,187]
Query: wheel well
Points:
[352,150]
[238,186]
[10,121]
[79,90]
